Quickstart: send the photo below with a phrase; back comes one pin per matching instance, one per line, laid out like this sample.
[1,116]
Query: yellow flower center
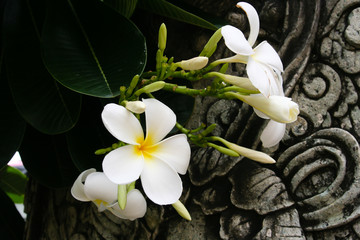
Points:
[146,150]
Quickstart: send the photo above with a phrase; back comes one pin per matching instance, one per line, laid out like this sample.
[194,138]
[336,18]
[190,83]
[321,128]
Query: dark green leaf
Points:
[13,183]
[167,9]
[11,223]
[41,101]
[47,160]
[90,48]
[125,7]
[12,125]
[88,136]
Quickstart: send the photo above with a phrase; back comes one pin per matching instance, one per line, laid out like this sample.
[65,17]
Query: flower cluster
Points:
[157,161]
[264,68]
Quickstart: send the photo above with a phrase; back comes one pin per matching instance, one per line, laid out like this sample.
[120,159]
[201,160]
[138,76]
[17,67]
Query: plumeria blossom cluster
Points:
[156,161]
[155,158]
[264,68]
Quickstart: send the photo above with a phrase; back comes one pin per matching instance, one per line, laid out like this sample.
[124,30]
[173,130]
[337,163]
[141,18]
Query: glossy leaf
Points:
[88,136]
[12,225]
[12,125]
[13,183]
[47,160]
[41,101]
[90,48]
[125,7]
[170,10]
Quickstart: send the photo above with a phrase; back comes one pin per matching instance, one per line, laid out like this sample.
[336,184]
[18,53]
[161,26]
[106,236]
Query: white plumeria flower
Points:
[156,161]
[96,187]
[264,66]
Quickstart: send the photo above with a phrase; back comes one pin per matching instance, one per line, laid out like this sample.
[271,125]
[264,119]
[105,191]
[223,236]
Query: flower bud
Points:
[181,209]
[251,154]
[153,87]
[224,150]
[235,80]
[195,63]
[211,45]
[135,106]
[162,37]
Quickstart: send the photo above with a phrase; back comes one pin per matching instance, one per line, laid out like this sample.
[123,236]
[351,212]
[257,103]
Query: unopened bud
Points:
[241,82]
[153,87]
[195,63]
[224,150]
[135,106]
[211,45]
[181,209]
[250,153]
[162,37]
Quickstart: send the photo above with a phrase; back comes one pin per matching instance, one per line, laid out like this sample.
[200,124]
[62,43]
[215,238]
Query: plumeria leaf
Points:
[88,136]
[13,183]
[170,10]
[12,125]
[40,100]
[12,225]
[125,7]
[90,48]
[47,160]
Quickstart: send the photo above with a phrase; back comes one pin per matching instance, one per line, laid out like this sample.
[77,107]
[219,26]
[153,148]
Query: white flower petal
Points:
[273,133]
[261,114]
[266,54]
[135,207]
[99,187]
[122,124]
[160,119]
[235,40]
[77,190]
[175,151]
[160,182]
[123,165]
[259,76]
[253,21]
[264,78]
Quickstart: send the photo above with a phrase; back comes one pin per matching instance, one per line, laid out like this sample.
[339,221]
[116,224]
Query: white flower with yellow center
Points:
[96,187]
[264,65]
[156,161]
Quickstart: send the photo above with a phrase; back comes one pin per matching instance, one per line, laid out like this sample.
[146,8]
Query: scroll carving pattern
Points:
[313,190]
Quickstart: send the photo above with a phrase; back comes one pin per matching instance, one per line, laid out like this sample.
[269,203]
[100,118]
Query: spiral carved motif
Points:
[323,177]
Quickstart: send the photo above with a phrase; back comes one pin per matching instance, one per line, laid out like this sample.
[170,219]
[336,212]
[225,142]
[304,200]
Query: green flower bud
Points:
[153,87]
[181,209]
[122,196]
[211,45]
[162,37]
[224,150]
